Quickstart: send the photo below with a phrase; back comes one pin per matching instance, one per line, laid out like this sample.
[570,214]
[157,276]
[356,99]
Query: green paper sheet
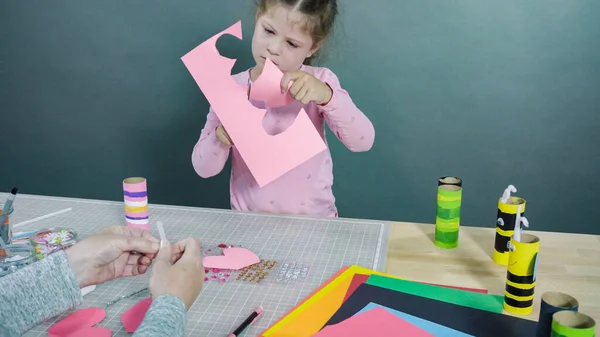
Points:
[471,299]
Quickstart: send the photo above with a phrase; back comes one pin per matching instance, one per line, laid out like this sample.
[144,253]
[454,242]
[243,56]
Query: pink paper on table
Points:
[267,156]
[374,322]
[268,87]
[78,320]
[91,332]
[133,317]
[232,258]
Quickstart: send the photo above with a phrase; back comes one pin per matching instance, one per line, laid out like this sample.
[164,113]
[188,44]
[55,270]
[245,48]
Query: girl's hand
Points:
[306,87]
[223,136]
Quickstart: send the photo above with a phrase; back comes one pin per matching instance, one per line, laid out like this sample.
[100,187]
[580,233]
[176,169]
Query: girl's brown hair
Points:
[320,14]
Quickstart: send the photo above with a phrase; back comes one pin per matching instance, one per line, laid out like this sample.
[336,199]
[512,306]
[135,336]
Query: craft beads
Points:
[48,241]
[216,274]
[15,258]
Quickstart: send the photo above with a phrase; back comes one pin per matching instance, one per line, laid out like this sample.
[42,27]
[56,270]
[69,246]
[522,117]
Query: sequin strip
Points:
[256,272]
[292,272]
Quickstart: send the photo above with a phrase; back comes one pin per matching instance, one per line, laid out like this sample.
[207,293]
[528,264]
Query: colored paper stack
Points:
[357,301]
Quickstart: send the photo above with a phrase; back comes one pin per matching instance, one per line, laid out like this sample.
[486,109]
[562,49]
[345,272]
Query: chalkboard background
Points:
[494,92]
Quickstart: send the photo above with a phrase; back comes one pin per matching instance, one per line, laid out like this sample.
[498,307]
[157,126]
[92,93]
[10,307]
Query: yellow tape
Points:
[136,209]
[513,206]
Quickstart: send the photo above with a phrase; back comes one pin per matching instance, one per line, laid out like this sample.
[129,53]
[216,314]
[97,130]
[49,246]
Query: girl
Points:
[289,33]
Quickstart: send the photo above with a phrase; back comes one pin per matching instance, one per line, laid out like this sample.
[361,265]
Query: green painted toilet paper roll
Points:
[572,324]
[447,218]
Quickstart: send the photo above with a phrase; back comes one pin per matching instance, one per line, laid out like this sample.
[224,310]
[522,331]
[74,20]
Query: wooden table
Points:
[569,263]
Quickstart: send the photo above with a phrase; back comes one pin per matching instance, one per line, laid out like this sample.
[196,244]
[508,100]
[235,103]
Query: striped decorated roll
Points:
[135,195]
[447,220]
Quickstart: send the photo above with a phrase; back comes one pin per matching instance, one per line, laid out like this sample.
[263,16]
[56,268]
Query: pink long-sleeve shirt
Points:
[306,189]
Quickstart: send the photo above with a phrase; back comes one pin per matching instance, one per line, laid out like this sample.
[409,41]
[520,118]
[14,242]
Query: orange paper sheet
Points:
[309,317]
[267,156]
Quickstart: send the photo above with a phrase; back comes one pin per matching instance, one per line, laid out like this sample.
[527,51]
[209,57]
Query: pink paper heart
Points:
[91,332]
[133,317]
[78,320]
[267,87]
[232,258]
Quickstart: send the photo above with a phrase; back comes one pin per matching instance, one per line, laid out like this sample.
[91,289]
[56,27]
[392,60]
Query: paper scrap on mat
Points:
[233,258]
[94,331]
[267,156]
[374,322]
[76,321]
[134,316]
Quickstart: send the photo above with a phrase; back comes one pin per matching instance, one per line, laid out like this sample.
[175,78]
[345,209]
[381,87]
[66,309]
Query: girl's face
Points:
[280,36]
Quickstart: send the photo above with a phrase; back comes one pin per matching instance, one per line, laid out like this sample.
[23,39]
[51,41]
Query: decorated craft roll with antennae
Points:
[506,219]
[521,274]
[135,194]
[572,324]
[447,219]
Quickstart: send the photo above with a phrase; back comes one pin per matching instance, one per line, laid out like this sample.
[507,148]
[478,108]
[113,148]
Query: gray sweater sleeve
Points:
[165,317]
[48,287]
[35,293]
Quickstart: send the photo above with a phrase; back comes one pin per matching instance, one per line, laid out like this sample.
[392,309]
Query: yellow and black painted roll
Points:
[447,219]
[521,275]
[505,227]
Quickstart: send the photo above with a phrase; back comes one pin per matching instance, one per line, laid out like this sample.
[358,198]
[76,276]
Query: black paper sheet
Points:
[479,323]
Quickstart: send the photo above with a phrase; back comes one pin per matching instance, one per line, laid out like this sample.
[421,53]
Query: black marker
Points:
[249,321]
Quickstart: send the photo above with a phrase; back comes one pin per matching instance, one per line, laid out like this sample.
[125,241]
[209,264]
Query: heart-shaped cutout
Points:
[233,258]
[80,319]
[267,87]
[133,317]
[91,332]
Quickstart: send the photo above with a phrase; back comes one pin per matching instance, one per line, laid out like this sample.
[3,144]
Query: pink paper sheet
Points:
[267,156]
[134,316]
[268,87]
[233,258]
[375,322]
[78,320]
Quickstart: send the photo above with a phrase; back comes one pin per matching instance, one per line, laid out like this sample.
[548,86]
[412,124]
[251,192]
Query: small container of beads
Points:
[15,257]
[50,240]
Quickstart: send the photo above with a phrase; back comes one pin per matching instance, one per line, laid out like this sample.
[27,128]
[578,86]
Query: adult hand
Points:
[223,136]
[178,271]
[306,87]
[117,251]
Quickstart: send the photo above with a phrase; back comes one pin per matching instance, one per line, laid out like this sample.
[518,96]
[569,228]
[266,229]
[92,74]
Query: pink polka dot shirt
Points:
[306,189]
